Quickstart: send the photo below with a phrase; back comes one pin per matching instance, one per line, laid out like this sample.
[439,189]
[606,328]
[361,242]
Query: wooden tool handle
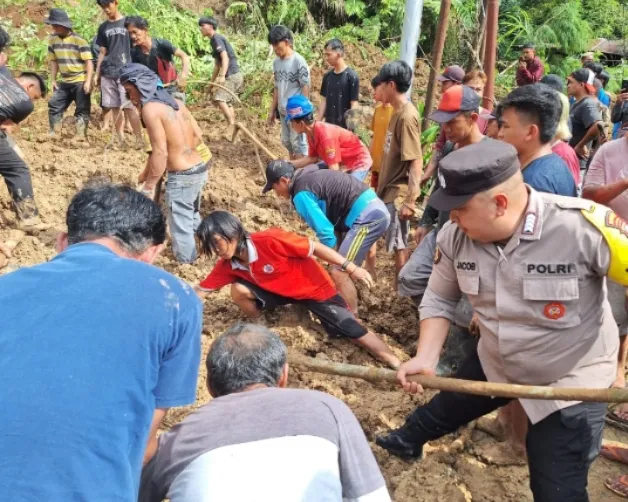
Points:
[254,139]
[507,390]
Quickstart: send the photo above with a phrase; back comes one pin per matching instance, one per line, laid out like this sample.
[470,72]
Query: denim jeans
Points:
[183,198]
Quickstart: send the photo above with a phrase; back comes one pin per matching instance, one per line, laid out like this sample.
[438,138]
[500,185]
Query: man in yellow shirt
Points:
[70,57]
[379,126]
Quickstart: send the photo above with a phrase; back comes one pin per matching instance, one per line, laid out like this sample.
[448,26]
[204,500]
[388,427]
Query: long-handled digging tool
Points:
[240,127]
[256,142]
[377,375]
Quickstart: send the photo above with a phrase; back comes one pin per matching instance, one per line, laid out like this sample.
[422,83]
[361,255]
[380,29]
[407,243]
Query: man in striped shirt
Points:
[70,57]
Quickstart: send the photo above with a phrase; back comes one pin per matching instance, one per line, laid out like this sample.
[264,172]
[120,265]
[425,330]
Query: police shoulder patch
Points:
[437,255]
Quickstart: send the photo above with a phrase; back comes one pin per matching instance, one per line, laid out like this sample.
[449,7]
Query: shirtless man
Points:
[173,139]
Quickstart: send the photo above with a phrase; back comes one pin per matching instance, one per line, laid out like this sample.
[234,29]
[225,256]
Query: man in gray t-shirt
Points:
[584,114]
[259,441]
[292,76]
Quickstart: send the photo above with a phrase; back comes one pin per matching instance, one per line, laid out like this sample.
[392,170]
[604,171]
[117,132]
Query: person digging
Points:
[16,103]
[333,203]
[173,141]
[272,268]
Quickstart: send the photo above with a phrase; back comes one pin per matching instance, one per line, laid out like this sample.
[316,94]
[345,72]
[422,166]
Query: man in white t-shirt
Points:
[258,441]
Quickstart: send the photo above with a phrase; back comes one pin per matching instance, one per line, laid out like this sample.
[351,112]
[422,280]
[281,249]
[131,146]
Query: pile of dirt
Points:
[461,474]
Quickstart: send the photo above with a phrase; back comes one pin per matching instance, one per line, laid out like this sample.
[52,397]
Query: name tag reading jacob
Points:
[469,266]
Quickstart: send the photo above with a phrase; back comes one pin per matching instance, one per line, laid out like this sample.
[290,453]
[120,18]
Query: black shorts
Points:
[334,313]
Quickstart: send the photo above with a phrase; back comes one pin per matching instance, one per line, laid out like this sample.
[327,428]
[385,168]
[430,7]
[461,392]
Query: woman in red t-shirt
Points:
[273,267]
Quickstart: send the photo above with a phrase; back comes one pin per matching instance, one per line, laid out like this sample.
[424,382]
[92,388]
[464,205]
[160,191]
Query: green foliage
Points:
[27,49]
[428,139]
[292,13]
[237,13]
[560,28]
[558,31]
[607,18]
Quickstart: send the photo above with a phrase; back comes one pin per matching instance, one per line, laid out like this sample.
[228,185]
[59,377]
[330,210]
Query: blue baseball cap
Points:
[298,107]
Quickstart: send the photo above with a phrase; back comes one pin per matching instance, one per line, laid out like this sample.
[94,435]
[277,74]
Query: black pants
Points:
[18,179]
[561,447]
[63,98]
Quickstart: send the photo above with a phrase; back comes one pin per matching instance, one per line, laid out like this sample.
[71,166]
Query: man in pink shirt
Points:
[606,182]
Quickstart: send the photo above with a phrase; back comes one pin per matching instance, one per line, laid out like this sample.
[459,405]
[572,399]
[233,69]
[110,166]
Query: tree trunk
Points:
[476,49]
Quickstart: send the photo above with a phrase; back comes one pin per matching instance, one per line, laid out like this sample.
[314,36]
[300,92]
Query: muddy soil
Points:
[452,470]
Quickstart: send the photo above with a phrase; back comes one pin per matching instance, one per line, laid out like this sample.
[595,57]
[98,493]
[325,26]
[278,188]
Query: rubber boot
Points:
[81,130]
[55,128]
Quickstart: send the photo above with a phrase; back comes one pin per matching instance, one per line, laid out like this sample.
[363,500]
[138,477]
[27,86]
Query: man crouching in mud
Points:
[170,128]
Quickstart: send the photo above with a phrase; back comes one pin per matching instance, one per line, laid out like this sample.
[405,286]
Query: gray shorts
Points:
[617,299]
[370,225]
[113,94]
[234,83]
[398,231]
[295,143]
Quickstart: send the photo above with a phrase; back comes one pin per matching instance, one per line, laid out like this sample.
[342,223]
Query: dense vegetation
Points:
[562,30]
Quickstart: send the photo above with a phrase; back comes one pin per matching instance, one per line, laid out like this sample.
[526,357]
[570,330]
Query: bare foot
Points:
[621,412]
[618,486]
[502,454]
[33,224]
[492,426]
[616,453]
[228,134]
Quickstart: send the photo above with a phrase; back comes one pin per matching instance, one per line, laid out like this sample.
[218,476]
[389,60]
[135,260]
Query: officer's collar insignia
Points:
[529,224]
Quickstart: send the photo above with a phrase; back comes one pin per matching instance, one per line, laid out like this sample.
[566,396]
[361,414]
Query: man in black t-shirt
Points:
[341,86]
[16,103]
[115,45]
[226,71]
[158,55]
[584,113]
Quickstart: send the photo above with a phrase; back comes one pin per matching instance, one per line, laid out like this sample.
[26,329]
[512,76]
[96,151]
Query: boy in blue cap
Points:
[336,147]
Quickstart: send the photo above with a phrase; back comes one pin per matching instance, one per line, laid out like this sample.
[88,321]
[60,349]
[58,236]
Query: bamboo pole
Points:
[437,59]
[513,391]
[490,54]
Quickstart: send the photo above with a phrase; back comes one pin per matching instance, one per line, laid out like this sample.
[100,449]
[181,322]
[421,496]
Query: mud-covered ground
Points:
[456,468]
